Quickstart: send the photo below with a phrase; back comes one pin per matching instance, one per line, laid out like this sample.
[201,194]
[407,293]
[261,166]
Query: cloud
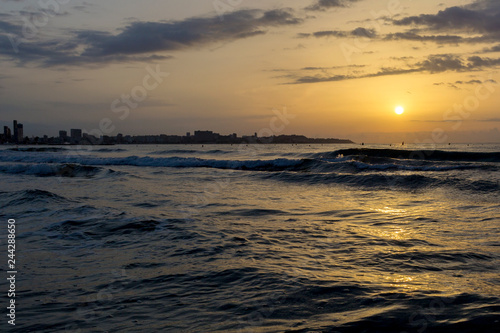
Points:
[411,36]
[141,41]
[470,82]
[481,62]
[147,37]
[336,78]
[482,17]
[472,24]
[8,27]
[358,32]
[441,63]
[322,5]
[143,37]
[433,64]
[495,48]
[456,18]
[328,33]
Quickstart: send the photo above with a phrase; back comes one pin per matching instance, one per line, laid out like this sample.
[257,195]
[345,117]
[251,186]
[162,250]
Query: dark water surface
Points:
[264,238]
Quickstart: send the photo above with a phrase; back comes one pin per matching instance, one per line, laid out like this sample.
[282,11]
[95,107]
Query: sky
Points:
[320,68]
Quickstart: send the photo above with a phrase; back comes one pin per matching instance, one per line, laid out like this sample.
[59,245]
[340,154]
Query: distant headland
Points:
[78,137]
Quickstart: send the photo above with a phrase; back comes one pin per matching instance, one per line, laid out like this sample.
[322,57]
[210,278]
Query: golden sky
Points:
[339,68]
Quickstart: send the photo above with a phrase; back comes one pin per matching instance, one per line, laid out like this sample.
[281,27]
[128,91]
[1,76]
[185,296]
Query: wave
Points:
[363,180]
[366,155]
[253,212]
[174,151]
[386,181]
[403,167]
[172,162]
[30,197]
[110,150]
[337,164]
[96,224]
[59,149]
[426,155]
[50,170]
[378,169]
[94,227]
[191,151]
[38,149]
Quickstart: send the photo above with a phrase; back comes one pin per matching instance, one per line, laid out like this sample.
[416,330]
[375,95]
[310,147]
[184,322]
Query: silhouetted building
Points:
[76,135]
[87,138]
[205,136]
[7,134]
[63,135]
[14,128]
[20,133]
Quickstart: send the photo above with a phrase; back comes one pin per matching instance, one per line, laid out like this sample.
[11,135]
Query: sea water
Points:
[254,238]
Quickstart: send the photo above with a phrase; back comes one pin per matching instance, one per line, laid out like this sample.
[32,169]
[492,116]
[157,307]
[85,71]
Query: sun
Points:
[399,110]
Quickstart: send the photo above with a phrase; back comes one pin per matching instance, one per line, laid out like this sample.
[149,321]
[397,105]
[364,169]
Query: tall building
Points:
[20,133]
[14,128]
[63,135]
[7,134]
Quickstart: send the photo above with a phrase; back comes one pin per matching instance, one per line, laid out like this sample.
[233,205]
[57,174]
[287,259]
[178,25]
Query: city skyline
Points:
[97,139]
[341,68]
[79,136]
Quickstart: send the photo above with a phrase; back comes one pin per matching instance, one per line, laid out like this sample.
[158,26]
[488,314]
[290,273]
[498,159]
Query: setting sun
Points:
[399,110]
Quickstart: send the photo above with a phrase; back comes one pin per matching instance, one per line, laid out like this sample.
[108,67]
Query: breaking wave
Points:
[48,170]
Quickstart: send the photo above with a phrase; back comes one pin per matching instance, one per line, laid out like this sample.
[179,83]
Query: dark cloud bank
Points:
[478,23]
[475,24]
[139,41]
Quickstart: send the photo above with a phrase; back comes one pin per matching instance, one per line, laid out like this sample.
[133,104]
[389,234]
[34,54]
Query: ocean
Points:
[253,238]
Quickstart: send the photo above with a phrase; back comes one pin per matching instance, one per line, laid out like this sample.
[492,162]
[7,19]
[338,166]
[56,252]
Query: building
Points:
[205,136]
[63,135]
[20,133]
[14,128]
[88,139]
[7,134]
[76,135]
